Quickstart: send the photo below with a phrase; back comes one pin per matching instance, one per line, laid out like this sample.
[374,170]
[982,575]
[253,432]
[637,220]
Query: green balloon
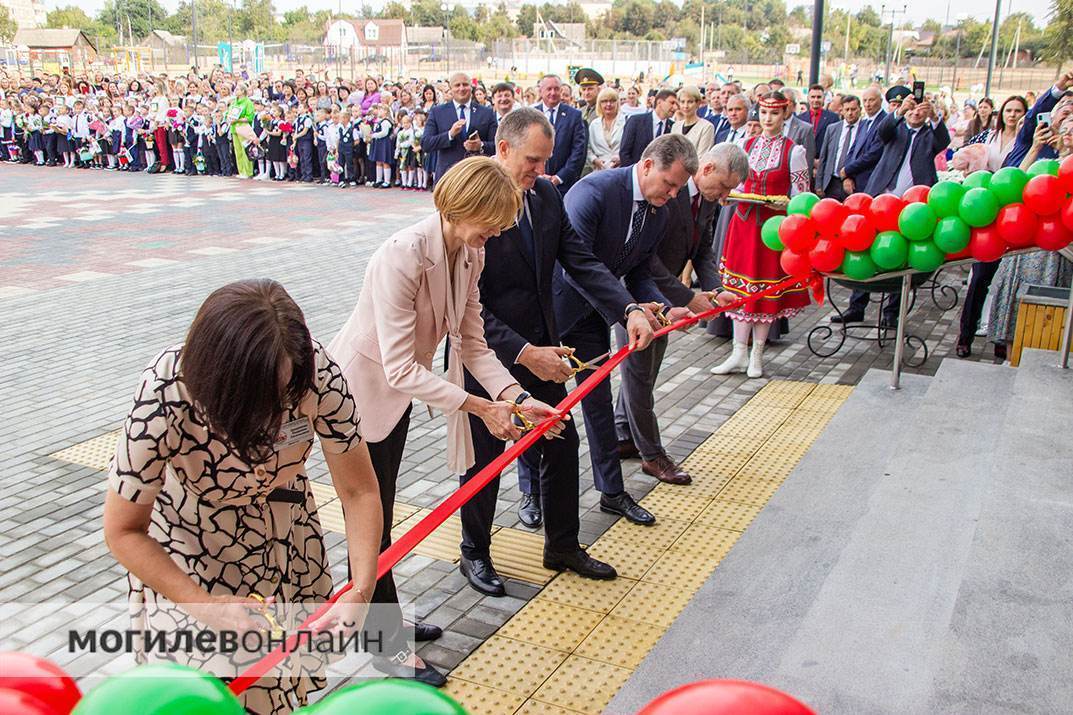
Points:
[977,180]
[802,203]
[945,197]
[925,256]
[160,689]
[858,265]
[1044,166]
[979,207]
[769,233]
[389,697]
[889,251]
[917,222]
[1008,185]
[952,234]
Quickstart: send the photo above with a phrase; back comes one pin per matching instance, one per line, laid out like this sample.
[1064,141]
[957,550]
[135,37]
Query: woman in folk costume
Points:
[420,287]
[777,167]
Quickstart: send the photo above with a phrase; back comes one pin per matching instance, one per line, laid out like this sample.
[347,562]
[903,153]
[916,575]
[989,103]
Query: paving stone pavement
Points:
[73,348]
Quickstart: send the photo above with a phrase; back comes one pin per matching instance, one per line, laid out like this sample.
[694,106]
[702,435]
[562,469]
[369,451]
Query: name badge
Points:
[294,432]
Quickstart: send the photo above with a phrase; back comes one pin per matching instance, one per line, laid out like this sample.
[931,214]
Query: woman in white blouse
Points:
[605,132]
[700,132]
[632,105]
[1001,139]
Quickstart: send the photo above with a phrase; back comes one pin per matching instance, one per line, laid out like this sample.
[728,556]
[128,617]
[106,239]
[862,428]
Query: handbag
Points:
[254,152]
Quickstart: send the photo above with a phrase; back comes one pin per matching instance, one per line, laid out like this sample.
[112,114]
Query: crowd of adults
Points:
[567,221]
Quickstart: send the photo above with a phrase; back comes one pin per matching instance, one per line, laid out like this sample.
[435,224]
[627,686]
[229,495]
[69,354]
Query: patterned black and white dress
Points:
[211,510]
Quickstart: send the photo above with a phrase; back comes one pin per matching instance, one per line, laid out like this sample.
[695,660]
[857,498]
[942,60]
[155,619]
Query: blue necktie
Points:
[636,222]
[526,229]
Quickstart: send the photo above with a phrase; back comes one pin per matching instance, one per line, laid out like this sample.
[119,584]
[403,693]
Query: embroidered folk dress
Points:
[217,516]
[777,167]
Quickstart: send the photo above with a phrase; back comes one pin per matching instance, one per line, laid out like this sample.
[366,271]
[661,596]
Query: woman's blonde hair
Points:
[691,92]
[605,94]
[478,191]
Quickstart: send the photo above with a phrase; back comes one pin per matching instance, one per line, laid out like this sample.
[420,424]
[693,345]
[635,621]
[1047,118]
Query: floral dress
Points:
[236,529]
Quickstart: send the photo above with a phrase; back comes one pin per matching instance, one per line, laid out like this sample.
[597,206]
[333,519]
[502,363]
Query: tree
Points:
[869,16]
[8,26]
[527,16]
[1059,33]
[139,16]
[70,16]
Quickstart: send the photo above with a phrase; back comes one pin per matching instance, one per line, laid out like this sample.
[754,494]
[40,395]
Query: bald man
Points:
[459,127]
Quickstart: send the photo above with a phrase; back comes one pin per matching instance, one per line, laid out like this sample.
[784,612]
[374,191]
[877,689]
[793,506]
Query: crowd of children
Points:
[152,129]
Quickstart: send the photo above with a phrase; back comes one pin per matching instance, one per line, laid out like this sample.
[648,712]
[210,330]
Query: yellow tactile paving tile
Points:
[586,637]
[570,589]
[482,700]
[520,554]
[506,664]
[95,453]
[552,625]
[583,685]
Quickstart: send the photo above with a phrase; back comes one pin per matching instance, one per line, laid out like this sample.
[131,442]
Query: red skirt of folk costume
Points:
[747,266]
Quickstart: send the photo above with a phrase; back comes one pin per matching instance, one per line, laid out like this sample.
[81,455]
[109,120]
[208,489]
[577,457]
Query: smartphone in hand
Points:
[1044,118]
[918,91]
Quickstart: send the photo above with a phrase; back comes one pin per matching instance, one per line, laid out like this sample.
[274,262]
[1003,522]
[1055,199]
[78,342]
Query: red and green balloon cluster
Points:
[982,217]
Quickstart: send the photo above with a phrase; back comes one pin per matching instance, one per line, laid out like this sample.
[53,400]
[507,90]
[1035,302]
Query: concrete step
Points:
[1007,647]
[747,615]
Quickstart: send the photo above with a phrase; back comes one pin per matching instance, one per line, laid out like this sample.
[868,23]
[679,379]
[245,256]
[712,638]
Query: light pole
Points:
[339,48]
[890,37]
[193,27]
[994,48]
[446,32]
[817,42]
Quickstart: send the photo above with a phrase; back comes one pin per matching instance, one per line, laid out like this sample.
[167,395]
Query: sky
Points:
[916,10]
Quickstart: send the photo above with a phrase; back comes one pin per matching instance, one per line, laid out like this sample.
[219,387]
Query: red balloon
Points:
[1065,174]
[859,204]
[40,679]
[15,702]
[986,245]
[795,264]
[967,253]
[827,256]
[725,697]
[857,233]
[1017,225]
[916,194]
[1053,235]
[885,211]
[828,215]
[1044,195]
[798,233]
[1067,216]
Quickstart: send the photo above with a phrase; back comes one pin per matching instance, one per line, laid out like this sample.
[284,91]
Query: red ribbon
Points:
[408,541]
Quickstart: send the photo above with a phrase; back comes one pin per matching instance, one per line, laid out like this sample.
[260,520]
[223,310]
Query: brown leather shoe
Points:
[628,450]
[663,469]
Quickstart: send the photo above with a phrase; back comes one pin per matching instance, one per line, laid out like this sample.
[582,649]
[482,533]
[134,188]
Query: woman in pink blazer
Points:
[421,286]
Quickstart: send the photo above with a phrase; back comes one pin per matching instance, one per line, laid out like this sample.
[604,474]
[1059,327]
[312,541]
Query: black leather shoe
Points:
[624,505]
[580,563]
[482,576]
[427,632]
[529,511]
[850,317]
[888,321]
[394,669]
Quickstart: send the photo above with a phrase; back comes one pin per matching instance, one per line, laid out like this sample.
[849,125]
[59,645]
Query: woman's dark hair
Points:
[424,93]
[233,359]
[1000,121]
[977,125]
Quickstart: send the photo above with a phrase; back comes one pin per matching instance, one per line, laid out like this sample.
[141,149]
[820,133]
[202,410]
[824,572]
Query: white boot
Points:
[737,362]
[756,360]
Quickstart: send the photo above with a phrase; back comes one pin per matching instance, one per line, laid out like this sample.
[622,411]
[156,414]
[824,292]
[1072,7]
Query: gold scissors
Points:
[662,319]
[582,365]
[277,629]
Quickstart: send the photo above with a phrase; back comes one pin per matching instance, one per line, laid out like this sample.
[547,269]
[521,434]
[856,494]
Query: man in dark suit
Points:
[911,138]
[818,117]
[837,143]
[459,128]
[641,129]
[571,135]
[620,214]
[713,109]
[687,238]
[519,324]
[865,152]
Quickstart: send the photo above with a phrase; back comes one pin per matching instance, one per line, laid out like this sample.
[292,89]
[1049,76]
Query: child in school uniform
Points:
[421,157]
[261,123]
[190,121]
[147,140]
[346,151]
[223,143]
[62,126]
[206,141]
[52,155]
[80,133]
[304,137]
[382,147]
[35,125]
[132,141]
[361,131]
[332,133]
[321,141]
[404,150]
[7,130]
[290,126]
[116,128]
[277,153]
[176,125]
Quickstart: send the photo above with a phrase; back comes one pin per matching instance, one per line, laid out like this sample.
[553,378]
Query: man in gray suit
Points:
[838,140]
[800,133]
[686,238]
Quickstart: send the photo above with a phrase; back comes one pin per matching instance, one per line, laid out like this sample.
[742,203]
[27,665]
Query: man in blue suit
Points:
[865,152]
[564,166]
[911,138]
[641,129]
[620,215]
[816,115]
[459,128]
[736,114]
